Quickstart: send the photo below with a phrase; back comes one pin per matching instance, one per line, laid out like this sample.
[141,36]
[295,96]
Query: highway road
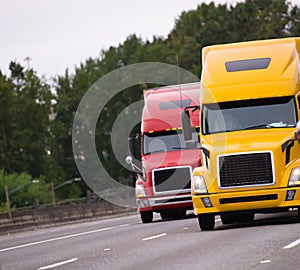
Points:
[124,243]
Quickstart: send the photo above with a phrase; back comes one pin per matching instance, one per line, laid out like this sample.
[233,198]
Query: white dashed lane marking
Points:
[154,236]
[293,244]
[57,264]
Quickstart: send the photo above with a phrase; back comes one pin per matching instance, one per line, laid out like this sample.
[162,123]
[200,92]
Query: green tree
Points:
[256,19]
[25,109]
[7,121]
[196,29]
[23,190]
[293,26]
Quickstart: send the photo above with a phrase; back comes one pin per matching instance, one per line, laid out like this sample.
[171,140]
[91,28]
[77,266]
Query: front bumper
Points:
[156,203]
[247,200]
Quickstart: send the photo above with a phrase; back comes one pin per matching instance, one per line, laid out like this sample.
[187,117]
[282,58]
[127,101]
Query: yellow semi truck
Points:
[249,136]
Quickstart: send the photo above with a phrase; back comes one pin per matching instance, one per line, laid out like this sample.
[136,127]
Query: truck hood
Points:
[248,140]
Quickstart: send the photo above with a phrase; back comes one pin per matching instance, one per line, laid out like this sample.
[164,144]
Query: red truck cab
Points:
[164,183]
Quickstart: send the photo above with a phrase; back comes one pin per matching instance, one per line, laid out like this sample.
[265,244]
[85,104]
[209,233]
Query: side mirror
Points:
[131,144]
[186,125]
[129,161]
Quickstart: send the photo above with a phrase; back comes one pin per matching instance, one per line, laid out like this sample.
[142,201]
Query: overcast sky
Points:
[59,34]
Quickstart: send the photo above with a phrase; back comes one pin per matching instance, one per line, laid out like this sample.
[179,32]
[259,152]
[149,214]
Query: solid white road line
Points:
[58,264]
[293,244]
[154,236]
[63,237]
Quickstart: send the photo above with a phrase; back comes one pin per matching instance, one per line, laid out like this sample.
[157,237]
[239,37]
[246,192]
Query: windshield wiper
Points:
[280,124]
[186,147]
[258,126]
[157,151]
[271,125]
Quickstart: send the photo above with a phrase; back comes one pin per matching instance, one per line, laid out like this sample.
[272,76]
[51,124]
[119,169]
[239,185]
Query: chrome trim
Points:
[170,192]
[155,201]
[245,153]
[171,203]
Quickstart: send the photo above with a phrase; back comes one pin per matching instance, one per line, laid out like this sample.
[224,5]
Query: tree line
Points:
[36,114]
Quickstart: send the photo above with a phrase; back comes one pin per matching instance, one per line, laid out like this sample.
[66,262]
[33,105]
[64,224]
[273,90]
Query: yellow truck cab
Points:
[250,106]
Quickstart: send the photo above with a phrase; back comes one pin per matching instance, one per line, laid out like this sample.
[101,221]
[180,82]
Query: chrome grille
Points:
[245,169]
[172,179]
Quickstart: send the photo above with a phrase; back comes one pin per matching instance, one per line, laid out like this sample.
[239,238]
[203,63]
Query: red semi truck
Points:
[164,181]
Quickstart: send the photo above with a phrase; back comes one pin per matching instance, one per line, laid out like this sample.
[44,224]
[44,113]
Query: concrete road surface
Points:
[124,243]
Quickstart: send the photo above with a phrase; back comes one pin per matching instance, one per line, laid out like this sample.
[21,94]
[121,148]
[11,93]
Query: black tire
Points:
[180,214]
[226,219]
[237,218]
[298,211]
[165,215]
[146,216]
[206,222]
[173,214]
[244,218]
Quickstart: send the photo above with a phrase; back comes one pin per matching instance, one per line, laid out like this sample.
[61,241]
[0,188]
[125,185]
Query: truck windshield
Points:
[165,141]
[277,112]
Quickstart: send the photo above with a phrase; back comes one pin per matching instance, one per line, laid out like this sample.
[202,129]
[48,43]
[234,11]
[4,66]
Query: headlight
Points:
[140,190]
[294,179]
[199,185]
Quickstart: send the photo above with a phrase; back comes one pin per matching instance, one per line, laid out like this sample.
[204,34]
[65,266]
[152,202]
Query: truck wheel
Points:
[173,214]
[244,218]
[206,222]
[180,214]
[238,218]
[165,214]
[226,219]
[146,216]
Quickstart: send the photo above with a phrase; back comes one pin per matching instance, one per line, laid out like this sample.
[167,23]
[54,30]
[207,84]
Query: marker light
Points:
[140,190]
[294,179]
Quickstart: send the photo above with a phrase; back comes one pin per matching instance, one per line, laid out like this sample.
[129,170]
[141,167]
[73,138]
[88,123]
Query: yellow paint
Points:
[280,78]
